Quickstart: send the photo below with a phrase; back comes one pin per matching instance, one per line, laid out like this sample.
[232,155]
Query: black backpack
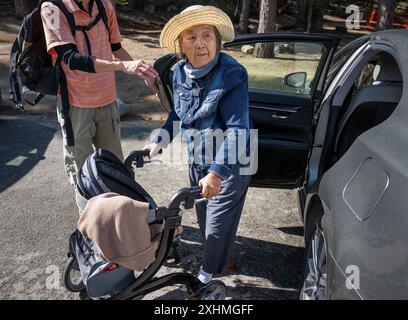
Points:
[31,66]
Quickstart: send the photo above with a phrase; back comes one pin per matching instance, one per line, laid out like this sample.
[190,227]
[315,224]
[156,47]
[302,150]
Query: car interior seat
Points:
[165,66]
[370,105]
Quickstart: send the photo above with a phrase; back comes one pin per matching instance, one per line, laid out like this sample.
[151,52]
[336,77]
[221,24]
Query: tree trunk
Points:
[302,10]
[267,23]
[315,12]
[267,16]
[24,7]
[385,14]
[309,16]
[244,18]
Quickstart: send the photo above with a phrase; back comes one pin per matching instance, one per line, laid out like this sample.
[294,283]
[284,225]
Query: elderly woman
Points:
[210,94]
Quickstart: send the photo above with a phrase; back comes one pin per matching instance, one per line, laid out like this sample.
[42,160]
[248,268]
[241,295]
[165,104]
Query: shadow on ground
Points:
[279,264]
[22,145]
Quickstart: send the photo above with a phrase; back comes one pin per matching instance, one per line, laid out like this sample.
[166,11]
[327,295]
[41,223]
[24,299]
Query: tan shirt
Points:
[86,90]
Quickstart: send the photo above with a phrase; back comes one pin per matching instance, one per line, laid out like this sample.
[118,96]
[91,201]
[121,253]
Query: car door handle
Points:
[280,116]
[276,108]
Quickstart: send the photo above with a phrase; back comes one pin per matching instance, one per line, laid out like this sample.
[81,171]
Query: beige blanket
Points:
[118,226]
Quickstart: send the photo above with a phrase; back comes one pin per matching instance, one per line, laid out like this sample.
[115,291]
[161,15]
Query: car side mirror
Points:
[295,80]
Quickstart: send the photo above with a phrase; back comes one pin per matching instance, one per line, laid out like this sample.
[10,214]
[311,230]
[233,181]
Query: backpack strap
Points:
[101,15]
[66,120]
[64,10]
[62,80]
[104,17]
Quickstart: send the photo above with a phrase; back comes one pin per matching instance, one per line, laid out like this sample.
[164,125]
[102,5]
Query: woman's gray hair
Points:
[180,53]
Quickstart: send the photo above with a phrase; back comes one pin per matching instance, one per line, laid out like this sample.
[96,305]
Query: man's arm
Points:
[122,55]
[86,63]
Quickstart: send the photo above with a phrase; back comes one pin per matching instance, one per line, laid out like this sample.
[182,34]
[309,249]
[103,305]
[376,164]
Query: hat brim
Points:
[208,15]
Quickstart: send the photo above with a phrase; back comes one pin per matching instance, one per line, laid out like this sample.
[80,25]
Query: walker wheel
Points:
[72,276]
[214,290]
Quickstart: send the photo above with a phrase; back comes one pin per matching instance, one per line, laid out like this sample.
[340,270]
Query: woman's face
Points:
[199,44]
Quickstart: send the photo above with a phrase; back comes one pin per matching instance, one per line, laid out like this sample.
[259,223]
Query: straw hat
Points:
[192,16]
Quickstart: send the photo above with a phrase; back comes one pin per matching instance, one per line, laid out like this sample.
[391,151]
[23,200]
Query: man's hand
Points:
[211,184]
[144,71]
[154,149]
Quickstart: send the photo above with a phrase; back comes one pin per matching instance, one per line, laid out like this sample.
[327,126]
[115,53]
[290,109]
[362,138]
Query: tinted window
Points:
[341,57]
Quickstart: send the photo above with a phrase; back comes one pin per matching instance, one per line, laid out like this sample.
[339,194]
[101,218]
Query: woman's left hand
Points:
[211,184]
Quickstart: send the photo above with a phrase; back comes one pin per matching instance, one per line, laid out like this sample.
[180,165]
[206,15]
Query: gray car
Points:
[333,125]
[355,196]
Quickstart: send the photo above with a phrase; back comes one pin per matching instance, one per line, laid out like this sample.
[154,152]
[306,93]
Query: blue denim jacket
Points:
[219,100]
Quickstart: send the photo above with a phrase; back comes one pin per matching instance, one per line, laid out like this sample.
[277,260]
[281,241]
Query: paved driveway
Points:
[38,213]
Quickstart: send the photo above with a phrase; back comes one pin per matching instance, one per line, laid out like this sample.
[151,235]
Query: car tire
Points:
[315,275]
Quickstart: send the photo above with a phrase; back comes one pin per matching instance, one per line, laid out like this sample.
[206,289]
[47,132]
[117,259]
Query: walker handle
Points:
[194,194]
[186,197]
[196,190]
[137,157]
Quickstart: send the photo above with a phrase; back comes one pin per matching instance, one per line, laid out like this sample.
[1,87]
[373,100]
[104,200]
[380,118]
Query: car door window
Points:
[279,66]
[341,56]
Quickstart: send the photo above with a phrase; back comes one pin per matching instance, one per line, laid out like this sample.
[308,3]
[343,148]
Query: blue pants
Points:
[218,218]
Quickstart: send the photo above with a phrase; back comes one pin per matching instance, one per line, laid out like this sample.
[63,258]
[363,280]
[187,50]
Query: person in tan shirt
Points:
[89,61]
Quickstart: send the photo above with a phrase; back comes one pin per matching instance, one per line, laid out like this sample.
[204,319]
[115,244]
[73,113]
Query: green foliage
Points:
[121,2]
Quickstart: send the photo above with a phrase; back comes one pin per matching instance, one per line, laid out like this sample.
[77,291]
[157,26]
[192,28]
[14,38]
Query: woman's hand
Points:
[154,149]
[211,184]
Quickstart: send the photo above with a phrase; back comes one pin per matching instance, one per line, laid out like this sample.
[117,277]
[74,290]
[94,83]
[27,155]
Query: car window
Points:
[280,66]
[341,56]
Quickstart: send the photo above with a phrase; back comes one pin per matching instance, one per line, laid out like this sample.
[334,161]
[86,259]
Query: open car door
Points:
[287,73]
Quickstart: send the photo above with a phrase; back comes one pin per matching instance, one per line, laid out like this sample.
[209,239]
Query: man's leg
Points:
[83,129]
[107,136]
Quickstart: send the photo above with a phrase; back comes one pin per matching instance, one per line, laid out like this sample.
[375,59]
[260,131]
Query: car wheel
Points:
[315,268]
